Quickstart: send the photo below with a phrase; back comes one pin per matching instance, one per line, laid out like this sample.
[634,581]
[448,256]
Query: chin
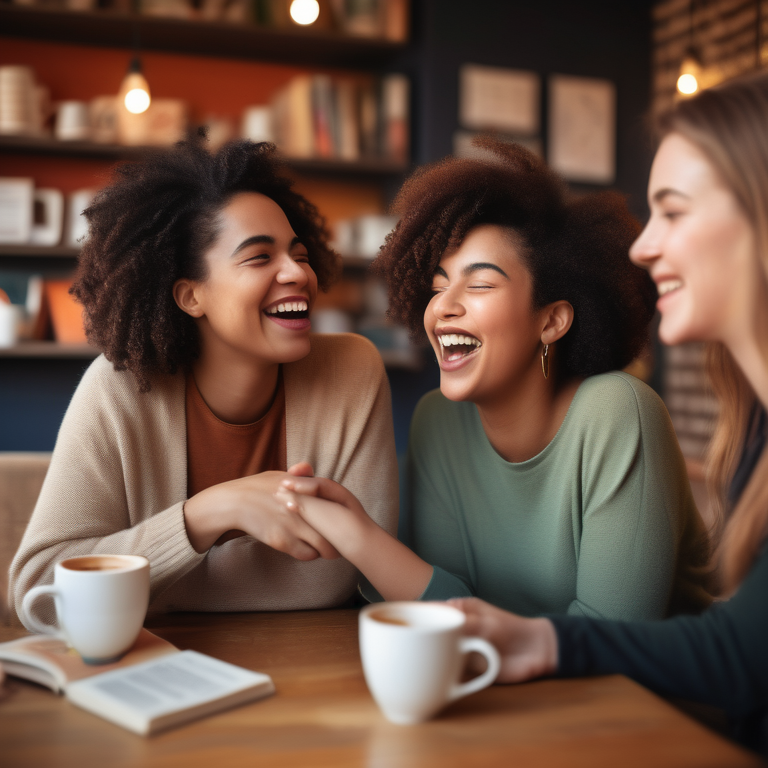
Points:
[457,394]
[297,351]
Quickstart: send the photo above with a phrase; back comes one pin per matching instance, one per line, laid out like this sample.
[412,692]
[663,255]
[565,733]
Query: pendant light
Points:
[304,12]
[134,91]
[689,77]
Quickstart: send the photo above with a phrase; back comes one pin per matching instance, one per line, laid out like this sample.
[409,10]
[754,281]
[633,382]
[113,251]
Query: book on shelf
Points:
[155,686]
[319,116]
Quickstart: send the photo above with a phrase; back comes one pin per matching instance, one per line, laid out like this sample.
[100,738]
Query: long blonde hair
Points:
[729,124]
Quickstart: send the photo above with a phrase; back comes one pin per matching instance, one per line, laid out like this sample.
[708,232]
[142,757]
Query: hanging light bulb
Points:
[689,79]
[305,12]
[135,89]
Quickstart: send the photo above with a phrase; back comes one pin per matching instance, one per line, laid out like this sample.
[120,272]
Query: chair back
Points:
[21,477]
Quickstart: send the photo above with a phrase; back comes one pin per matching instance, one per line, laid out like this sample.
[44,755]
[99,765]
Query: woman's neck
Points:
[525,422]
[238,391]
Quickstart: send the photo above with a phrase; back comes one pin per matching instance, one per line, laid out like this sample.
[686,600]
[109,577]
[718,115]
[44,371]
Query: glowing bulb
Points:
[137,101]
[305,12]
[687,84]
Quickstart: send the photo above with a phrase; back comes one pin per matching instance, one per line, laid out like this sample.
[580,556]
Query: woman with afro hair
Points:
[197,281]
[539,477]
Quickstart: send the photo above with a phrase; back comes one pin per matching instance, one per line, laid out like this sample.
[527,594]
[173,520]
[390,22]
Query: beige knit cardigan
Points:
[118,482]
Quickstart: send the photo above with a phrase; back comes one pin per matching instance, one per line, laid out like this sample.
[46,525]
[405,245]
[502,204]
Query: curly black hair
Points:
[575,248]
[152,226]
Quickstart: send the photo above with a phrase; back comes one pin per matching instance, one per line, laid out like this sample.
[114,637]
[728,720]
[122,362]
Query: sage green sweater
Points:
[601,523]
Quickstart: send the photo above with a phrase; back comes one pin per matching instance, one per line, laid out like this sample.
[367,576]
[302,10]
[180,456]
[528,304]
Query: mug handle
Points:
[26,613]
[467,644]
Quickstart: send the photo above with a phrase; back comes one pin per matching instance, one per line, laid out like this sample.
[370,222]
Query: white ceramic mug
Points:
[11,317]
[101,602]
[413,655]
[73,121]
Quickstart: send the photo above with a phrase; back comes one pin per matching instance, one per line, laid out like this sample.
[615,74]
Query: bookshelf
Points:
[210,54]
[304,46]
[372,168]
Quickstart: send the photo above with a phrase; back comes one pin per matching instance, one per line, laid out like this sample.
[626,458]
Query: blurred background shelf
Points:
[44,145]
[203,37]
[38,258]
[49,350]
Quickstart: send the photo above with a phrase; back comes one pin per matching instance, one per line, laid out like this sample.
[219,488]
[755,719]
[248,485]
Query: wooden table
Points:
[323,715]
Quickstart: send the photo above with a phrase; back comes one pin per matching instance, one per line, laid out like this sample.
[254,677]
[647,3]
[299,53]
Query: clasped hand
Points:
[250,506]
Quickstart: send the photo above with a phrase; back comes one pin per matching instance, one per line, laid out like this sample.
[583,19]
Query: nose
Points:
[446,304]
[291,272]
[646,249]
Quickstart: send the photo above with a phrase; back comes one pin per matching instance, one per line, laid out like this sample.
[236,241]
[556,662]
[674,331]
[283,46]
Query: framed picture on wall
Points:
[582,128]
[499,99]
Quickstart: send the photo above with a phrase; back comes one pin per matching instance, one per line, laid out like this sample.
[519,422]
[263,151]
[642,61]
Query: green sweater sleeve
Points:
[718,658]
[636,507]
[435,533]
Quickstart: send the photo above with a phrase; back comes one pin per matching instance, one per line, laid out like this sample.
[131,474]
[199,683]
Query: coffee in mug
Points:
[101,602]
[413,656]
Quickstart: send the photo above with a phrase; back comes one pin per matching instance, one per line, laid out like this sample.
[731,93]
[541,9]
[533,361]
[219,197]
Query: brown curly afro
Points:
[575,248]
[153,225]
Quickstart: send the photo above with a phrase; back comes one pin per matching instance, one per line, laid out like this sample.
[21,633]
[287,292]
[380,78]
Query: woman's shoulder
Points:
[337,359]
[619,404]
[618,389]
[103,385]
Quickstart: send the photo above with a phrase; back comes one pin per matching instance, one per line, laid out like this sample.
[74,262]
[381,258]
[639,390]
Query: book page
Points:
[141,696]
[64,664]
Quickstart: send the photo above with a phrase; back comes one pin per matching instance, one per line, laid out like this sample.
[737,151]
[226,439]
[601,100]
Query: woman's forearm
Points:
[393,570]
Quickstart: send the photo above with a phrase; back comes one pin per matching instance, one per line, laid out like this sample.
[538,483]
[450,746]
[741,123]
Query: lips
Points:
[290,312]
[456,346]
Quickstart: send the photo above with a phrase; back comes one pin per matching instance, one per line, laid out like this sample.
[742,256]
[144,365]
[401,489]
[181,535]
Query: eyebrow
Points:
[662,193]
[476,266]
[261,240]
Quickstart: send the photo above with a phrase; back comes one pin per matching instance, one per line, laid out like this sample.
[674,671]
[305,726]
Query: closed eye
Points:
[259,258]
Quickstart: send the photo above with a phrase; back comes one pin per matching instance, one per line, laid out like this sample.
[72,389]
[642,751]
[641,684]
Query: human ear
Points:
[185,294]
[558,318]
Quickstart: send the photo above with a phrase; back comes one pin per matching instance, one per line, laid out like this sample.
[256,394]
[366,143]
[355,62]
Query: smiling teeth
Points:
[453,339]
[288,306]
[668,286]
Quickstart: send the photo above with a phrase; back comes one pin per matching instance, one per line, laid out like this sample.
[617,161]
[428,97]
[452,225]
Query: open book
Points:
[153,687]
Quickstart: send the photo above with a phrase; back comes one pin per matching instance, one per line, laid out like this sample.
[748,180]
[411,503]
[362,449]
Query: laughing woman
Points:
[540,477]
[197,281]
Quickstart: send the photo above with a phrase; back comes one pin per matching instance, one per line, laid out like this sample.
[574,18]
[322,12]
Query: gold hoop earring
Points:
[545,361]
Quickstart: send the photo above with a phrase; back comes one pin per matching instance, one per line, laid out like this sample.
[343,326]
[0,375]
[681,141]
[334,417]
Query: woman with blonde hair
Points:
[706,248]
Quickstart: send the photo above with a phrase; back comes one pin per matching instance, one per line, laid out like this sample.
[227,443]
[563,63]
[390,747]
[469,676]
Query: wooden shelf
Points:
[40,251]
[50,350]
[58,260]
[208,38]
[45,145]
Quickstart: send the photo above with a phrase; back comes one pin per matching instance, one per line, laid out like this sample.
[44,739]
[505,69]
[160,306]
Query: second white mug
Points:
[413,655]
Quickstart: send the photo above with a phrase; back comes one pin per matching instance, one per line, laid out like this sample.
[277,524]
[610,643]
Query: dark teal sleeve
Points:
[719,658]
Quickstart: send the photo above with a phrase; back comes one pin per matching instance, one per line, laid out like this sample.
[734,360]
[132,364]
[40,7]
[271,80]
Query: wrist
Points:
[360,539]
[545,638]
[207,515]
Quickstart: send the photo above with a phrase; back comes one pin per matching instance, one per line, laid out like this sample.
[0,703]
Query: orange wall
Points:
[211,86]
